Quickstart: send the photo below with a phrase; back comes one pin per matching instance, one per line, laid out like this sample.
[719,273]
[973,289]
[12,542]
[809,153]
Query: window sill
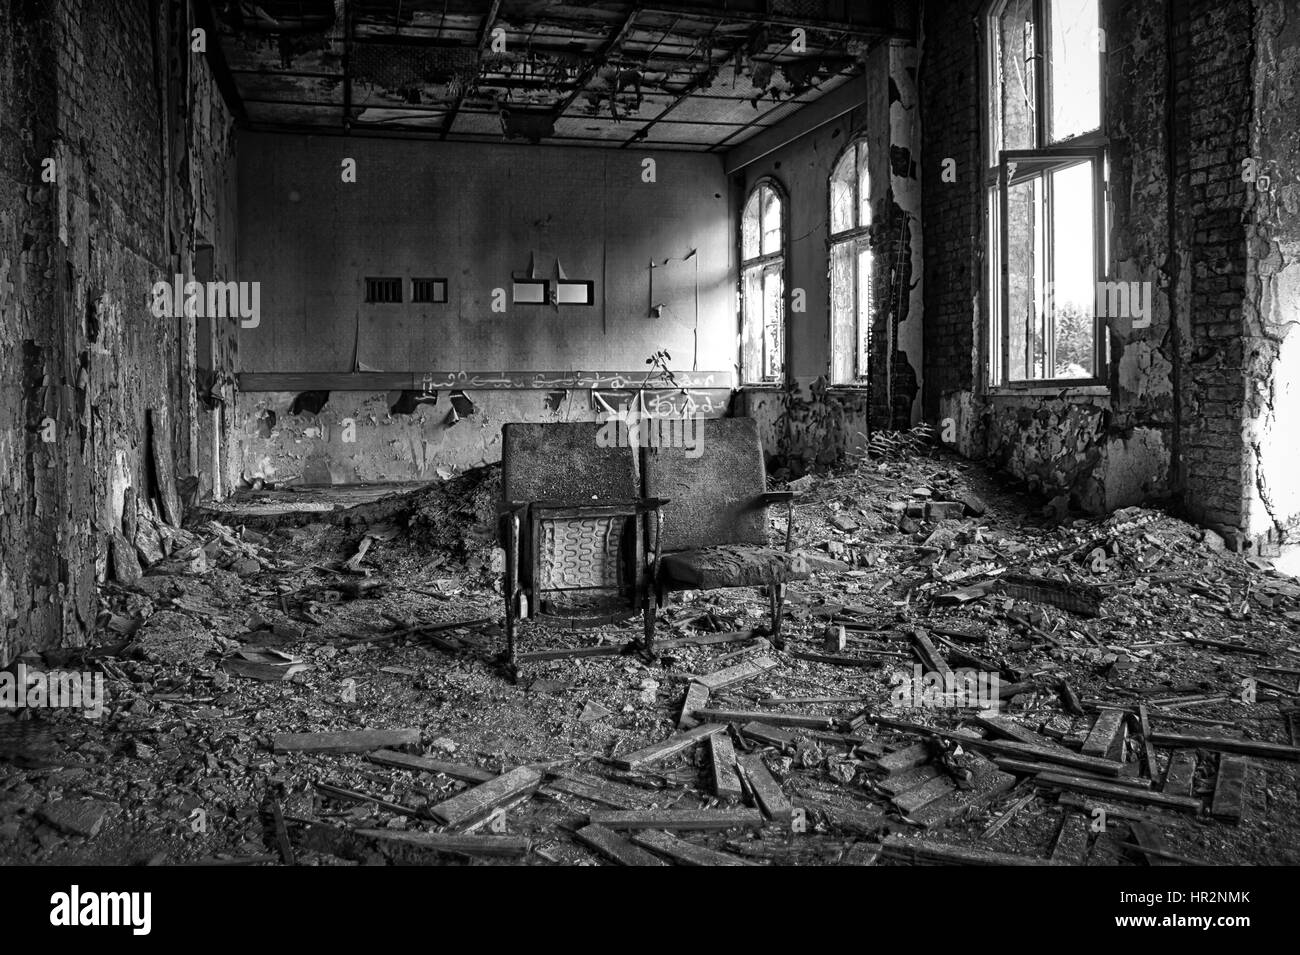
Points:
[856,387]
[1054,391]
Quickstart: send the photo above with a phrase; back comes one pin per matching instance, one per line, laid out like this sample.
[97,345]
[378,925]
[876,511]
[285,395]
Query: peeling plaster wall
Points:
[808,423]
[1272,306]
[82,357]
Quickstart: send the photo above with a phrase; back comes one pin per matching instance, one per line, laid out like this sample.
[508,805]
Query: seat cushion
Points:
[731,566]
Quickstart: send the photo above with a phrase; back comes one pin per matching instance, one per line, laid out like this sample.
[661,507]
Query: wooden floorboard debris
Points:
[423,764]
[1005,728]
[697,696]
[896,784]
[1180,773]
[1243,747]
[722,767]
[739,673]
[1106,739]
[614,847]
[767,791]
[600,791]
[474,805]
[453,843]
[683,852]
[1152,843]
[769,735]
[1099,788]
[1230,789]
[347,741]
[836,660]
[1024,767]
[924,850]
[904,759]
[767,717]
[704,820]
[1071,844]
[661,751]
[924,794]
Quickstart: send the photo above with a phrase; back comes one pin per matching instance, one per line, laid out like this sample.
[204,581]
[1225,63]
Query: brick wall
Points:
[83,357]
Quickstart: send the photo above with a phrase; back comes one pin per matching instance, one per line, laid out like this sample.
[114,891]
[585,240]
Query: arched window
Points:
[762,286]
[850,266]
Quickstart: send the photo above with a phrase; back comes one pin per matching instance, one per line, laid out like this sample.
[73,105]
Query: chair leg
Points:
[649,622]
[776,595]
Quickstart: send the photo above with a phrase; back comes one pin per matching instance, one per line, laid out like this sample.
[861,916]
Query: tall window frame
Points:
[850,264]
[764,239]
[1044,183]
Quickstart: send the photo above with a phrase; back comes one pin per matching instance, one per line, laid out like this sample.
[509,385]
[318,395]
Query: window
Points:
[1044,190]
[532,291]
[850,266]
[383,291]
[762,286]
[429,290]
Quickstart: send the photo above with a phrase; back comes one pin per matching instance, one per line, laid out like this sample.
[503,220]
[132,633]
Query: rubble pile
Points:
[967,678]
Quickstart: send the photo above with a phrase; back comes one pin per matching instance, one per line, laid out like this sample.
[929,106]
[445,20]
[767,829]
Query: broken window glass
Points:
[850,266]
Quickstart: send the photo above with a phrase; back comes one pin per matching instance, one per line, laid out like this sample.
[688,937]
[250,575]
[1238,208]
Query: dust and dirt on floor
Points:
[309,676]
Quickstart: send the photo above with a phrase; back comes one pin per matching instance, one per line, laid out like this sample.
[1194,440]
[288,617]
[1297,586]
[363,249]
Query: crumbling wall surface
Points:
[84,196]
[357,437]
[1271,308]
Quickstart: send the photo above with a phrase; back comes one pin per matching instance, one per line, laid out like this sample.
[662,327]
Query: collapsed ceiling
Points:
[665,75]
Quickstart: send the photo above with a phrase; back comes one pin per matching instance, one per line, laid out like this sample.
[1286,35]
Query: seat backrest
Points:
[713,496]
[564,464]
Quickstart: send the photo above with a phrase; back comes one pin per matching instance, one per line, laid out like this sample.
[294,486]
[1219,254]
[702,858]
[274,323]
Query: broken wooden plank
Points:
[925,850]
[1230,789]
[924,794]
[739,673]
[1226,645]
[769,735]
[835,660]
[1102,767]
[987,783]
[899,783]
[1026,767]
[1010,813]
[614,847]
[697,696]
[1151,843]
[674,744]
[683,852]
[345,741]
[930,656]
[1070,846]
[600,791]
[1180,773]
[809,700]
[804,720]
[674,819]
[1099,788]
[282,840]
[1009,729]
[722,764]
[1244,747]
[423,764]
[474,805]
[767,791]
[1083,599]
[453,843]
[1106,739]
[1088,807]
[1148,748]
[905,758]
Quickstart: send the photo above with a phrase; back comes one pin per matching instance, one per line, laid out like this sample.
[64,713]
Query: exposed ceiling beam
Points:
[825,109]
[216,54]
[723,14]
[598,59]
[484,32]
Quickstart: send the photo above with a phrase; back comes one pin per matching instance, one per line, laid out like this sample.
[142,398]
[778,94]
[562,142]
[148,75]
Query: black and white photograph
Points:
[634,433]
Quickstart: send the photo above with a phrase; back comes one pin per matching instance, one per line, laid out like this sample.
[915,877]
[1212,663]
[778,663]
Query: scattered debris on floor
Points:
[290,682]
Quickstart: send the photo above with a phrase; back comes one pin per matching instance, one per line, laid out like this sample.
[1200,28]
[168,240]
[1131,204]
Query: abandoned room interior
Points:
[644,432]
